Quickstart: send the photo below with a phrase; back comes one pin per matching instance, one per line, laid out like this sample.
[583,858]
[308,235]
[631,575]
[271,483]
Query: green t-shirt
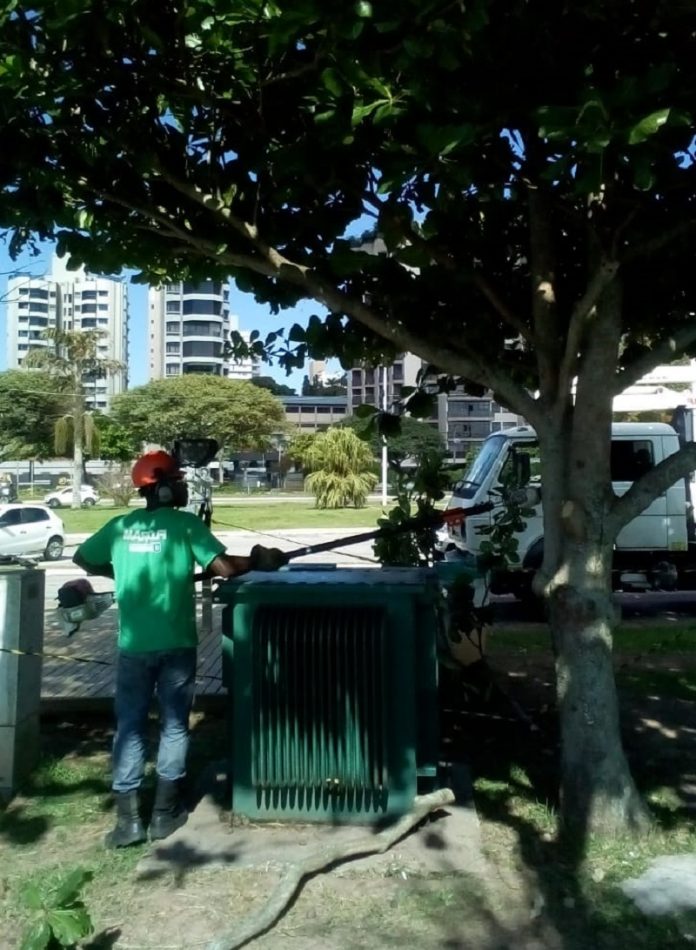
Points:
[153,555]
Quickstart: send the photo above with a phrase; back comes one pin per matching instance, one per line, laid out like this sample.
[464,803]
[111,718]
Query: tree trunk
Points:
[597,791]
[78,451]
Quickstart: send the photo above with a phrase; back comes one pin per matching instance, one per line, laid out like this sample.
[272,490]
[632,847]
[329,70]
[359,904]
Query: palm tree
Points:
[340,464]
[74,358]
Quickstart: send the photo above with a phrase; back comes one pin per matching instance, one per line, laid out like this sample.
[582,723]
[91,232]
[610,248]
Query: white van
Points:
[650,551]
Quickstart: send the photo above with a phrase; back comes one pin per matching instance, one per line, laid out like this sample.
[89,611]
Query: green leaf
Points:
[70,925]
[31,896]
[643,174]
[443,139]
[648,126]
[363,9]
[69,887]
[297,334]
[388,424]
[37,937]
[361,112]
[420,404]
[332,81]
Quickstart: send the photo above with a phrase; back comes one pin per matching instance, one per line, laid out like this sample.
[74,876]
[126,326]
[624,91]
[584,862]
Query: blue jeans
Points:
[172,674]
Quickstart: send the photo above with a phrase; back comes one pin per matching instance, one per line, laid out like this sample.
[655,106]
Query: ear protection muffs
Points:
[164,492]
[171,491]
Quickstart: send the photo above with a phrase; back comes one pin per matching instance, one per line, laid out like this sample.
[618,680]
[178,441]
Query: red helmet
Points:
[153,467]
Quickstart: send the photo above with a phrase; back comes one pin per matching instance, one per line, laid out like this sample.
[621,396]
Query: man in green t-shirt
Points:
[151,553]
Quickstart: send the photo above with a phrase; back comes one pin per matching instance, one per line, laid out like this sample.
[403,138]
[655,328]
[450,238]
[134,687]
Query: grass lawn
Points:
[250,516]
[645,639]
[539,891]
[573,882]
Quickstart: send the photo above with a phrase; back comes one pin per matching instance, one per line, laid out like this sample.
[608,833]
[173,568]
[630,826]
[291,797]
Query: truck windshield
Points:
[480,467]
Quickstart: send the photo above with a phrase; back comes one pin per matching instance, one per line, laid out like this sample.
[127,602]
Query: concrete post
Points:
[21,628]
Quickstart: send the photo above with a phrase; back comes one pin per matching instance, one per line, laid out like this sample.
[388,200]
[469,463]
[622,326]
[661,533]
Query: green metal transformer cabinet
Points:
[332,679]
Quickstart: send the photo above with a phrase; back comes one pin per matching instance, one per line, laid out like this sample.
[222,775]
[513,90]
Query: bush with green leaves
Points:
[340,469]
[416,494]
[60,918]
[116,483]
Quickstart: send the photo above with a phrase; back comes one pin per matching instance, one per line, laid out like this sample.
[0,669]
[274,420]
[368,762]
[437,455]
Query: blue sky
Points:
[252,316]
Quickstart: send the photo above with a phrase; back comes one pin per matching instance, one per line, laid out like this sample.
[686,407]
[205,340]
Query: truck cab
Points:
[649,551]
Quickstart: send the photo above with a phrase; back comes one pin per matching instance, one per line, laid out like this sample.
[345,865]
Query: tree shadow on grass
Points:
[75,767]
[72,770]
[516,772]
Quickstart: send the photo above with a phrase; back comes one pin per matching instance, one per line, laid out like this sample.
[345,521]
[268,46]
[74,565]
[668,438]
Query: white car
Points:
[62,497]
[28,529]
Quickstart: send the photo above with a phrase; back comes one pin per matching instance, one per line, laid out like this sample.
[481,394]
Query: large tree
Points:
[72,359]
[30,405]
[267,382]
[411,440]
[236,413]
[529,169]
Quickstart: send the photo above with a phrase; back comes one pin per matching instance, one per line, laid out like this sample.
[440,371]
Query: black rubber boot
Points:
[129,828]
[169,812]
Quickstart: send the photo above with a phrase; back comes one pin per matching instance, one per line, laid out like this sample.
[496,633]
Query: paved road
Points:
[676,605]
[244,498]
[238,542]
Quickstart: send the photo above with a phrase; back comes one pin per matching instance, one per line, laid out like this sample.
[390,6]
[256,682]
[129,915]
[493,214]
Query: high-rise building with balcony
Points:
[70,300]
[189,325]
[463,421]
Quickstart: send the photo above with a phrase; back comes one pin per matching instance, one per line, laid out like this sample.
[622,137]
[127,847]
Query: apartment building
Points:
[312,413]
[381,385]
[189,326]
[70,300]
[463,421]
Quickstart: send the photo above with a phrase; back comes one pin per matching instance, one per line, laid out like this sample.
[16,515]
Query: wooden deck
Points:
[73,681]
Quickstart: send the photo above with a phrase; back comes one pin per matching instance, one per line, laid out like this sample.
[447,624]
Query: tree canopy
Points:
[267,382]
[72,360]
[528,169]
[412,439]
[337,386]
[236,413]
[116,442]
[30,405]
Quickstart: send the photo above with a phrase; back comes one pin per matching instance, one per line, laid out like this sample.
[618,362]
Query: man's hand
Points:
[266,559]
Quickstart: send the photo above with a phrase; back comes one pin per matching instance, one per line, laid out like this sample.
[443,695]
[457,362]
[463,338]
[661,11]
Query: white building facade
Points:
[189,327]
[70,300]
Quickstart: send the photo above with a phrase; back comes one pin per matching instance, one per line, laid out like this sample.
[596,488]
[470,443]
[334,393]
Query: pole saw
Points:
[438,518]
[78,602]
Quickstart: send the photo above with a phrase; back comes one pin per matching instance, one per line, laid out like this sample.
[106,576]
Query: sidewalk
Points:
[77,684]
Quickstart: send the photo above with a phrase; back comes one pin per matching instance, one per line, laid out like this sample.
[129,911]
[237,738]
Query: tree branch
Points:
[322,858]
[501,307]
[658,242]
[666,352]
[578,321]
[652,484]
[544,304]
[445,259]
[273,264]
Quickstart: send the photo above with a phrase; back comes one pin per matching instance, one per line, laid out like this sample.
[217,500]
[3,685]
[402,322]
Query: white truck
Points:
[655,550]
